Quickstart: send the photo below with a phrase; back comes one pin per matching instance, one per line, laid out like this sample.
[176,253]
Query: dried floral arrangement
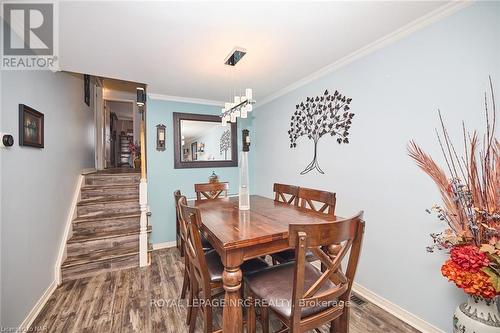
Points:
[470,190]
[318,116]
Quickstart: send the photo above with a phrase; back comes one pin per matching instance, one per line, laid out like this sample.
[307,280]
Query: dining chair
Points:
[206,269]
[310,199]
[211,191]
[178,236]
[286,193]
[302,296]
[181,225]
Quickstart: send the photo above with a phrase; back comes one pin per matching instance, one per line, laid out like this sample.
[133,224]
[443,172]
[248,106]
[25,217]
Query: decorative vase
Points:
[213,178]
[137,163]
[477,315]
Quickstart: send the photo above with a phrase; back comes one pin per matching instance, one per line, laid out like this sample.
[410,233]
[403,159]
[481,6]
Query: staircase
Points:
[106,228]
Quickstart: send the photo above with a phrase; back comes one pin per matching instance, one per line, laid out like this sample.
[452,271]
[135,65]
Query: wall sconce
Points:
[141,97]
[161,135]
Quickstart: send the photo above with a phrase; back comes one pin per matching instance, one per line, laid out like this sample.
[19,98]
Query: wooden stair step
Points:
[93,236]
[106,223]
[96,201]
[87,243]
[112,179]
[93,264]
[102,217]
[106,191]
[108,187]
[106,199]
[107,206]
[98,256]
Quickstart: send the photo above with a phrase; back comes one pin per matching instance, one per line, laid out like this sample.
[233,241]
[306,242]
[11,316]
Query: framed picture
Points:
[30,127]
[194,151]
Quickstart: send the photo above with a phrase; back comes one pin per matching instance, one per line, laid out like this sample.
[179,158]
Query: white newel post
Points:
[143,236]
[143,188]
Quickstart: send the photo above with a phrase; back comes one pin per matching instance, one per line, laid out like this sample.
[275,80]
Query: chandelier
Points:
[242,104]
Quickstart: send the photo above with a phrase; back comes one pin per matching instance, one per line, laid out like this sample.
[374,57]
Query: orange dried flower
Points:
[473,283]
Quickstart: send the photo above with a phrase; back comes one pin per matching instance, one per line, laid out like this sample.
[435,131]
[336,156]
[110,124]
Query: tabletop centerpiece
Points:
[470,191]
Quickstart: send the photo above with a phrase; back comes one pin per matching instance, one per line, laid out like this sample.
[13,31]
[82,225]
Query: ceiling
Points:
[178,48]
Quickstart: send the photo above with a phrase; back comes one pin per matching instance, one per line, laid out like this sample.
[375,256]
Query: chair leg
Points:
[251,315]
[341,324]
[182,248]
[207,317]
[193,288]
[264,318]
[185,284]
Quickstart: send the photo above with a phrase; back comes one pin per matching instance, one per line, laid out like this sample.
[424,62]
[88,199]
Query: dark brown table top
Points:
[266,221]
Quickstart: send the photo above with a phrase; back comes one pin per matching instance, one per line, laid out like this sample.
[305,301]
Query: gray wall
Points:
[37,185]
[396,92]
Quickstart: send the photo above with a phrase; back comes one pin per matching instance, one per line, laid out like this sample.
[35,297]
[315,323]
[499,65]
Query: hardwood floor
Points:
[145,300]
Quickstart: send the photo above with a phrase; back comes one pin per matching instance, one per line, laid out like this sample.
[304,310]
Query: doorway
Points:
[120,149]
[118,124]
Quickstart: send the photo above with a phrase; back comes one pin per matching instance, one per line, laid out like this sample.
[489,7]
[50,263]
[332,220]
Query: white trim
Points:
[395,310]
[404,31]
[68,230]
[164,245]
[185,99]
[28,321]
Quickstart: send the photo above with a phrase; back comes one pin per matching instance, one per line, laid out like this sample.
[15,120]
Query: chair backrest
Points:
[309,198]
[211,191]
[346,235]
[177,196]
[286,193]
[191,218]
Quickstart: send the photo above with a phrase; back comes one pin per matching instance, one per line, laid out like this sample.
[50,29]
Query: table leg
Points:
[232,315]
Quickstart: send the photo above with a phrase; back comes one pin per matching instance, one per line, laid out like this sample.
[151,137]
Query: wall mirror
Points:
[200,141]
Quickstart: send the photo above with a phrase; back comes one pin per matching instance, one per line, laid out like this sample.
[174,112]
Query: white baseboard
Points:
[164,245]
[68,230]
[395,310]
[28,321]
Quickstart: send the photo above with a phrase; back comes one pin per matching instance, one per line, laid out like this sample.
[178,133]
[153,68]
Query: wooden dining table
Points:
[238,236]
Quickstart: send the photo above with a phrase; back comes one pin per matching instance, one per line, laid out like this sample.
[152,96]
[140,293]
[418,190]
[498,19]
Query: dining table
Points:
[239,235]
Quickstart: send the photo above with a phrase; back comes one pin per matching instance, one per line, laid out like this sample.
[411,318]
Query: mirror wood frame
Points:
[179,164]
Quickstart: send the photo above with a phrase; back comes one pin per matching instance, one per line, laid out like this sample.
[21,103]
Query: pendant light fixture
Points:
[241,104]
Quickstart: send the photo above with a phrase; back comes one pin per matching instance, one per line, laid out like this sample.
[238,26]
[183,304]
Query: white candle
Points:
[248,93]
[162,136]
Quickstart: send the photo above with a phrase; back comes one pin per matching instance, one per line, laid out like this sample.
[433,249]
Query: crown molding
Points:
[398,34]
[171,98]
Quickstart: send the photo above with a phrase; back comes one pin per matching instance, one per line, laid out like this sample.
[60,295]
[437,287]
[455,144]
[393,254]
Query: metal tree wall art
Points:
[318,116]
[225,143]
